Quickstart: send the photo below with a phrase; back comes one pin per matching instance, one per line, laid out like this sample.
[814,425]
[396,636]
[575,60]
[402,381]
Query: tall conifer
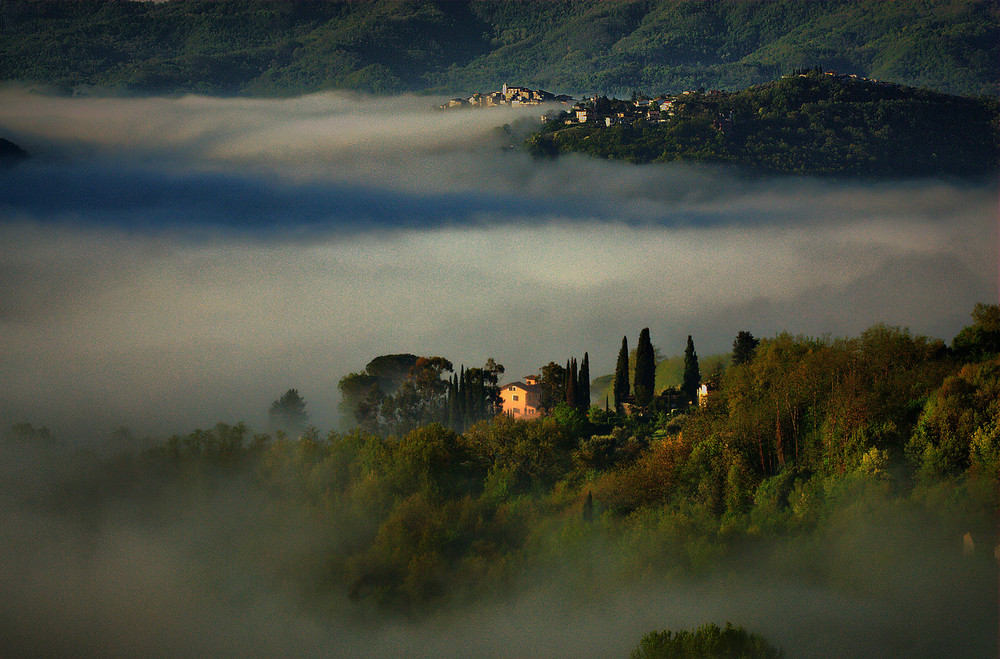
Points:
[583,386]
[570,382]
[621,377]
[645,370]
[692,375]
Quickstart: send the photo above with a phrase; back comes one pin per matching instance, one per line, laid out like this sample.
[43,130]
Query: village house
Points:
[521,399]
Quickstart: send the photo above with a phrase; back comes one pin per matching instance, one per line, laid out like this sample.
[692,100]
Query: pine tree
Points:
[692,375]
[288,413]
[743,348]
[621,377]
[583,385]
[645,370]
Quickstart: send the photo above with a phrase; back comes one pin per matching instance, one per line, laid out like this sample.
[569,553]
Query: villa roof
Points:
[521,384]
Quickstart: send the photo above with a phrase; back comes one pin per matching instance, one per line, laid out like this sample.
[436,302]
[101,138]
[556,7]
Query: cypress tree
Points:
[571,383]
[454,404]
[645,370]
[575,377]
[466,397]
[692,375]
[583,385]
[621,377]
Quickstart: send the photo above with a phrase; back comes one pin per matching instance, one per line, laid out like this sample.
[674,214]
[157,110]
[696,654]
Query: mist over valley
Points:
[170,264]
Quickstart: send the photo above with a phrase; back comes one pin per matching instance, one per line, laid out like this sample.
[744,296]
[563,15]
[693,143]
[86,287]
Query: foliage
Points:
[706,641]
[958,426]
[811,123]
[552,383]
[692,374]
[982,338]
[398,393]
[825,459]
[261,47]
[288,413]
[621,391]
[645,370]
[583,386]
[27,433]
[744,346]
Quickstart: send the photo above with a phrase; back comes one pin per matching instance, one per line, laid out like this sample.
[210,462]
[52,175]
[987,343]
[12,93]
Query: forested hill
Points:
[805,123]
[261,47]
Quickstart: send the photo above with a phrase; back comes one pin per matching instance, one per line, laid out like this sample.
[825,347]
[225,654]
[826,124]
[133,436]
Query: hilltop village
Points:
[507,96]
[596,109]
[612,111]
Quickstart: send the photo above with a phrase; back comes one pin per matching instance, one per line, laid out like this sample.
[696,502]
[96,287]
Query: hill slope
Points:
[810,123]
[573,46]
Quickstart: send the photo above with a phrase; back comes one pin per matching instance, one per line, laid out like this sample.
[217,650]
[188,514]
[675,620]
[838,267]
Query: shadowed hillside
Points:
[286,48]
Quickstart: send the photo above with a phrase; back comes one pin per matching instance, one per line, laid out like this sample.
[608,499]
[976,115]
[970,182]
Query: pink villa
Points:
[521,399]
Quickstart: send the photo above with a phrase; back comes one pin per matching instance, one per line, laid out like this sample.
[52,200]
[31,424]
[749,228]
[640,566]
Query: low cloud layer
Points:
[170,263]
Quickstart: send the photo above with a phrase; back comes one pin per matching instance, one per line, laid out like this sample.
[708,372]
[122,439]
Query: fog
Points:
[170,263]
[204,572]
[173,262]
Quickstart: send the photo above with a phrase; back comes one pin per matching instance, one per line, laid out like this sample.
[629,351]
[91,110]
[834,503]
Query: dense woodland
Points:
[801,443]
[804,123]
[259,47]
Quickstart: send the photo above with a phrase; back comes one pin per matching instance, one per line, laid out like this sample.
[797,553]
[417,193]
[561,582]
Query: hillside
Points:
[259,47]
[844,470]
[806,123]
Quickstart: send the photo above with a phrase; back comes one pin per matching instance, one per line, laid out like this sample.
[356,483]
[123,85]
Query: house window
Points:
[515,396]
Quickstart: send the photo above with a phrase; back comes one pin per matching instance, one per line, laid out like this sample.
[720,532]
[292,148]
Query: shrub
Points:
[707,641]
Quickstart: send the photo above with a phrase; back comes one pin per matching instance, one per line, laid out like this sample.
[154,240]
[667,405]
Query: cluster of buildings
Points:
[615,111]
[509,96]
[591,110]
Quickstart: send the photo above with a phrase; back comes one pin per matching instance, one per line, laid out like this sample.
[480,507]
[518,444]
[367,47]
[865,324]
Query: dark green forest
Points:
[803,447]
[804,123]
[258,47]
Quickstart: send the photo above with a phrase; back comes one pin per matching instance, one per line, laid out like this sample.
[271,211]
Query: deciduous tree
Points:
[552,382]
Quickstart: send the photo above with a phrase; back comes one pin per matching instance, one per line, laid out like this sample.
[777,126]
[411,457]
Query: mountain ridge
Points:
[263,48]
